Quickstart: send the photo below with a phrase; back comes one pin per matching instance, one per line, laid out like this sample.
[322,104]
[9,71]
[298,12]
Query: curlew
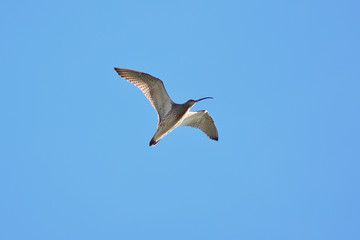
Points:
[170,115]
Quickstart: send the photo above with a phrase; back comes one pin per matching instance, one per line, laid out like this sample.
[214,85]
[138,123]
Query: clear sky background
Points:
[75,161]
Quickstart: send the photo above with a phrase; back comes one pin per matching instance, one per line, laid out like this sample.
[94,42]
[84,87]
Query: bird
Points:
[170,115]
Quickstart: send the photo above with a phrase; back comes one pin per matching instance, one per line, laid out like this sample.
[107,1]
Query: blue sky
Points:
[75,161]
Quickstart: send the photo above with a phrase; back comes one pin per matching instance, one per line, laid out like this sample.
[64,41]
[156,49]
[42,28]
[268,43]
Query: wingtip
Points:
[118,71]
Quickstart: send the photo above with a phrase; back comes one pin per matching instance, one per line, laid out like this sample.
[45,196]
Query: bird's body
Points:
[171,115]
[172,120]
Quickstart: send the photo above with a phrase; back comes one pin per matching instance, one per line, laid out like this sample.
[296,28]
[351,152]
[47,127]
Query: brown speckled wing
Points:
[152,87]
[203,121]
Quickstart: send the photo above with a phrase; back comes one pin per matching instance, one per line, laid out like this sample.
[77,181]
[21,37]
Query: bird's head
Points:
[192,102]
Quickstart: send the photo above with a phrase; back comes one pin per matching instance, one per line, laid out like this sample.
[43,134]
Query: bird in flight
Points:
[170,115]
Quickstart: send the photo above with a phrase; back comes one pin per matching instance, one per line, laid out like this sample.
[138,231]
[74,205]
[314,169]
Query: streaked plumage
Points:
[170,115]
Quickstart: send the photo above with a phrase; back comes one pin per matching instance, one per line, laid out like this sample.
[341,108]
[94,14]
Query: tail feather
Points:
[153,142]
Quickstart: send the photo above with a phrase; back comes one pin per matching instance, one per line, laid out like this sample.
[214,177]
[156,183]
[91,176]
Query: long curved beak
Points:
[203,99]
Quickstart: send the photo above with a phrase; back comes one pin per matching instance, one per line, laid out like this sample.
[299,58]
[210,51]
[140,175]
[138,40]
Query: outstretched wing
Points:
[203,121]
[152,87]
